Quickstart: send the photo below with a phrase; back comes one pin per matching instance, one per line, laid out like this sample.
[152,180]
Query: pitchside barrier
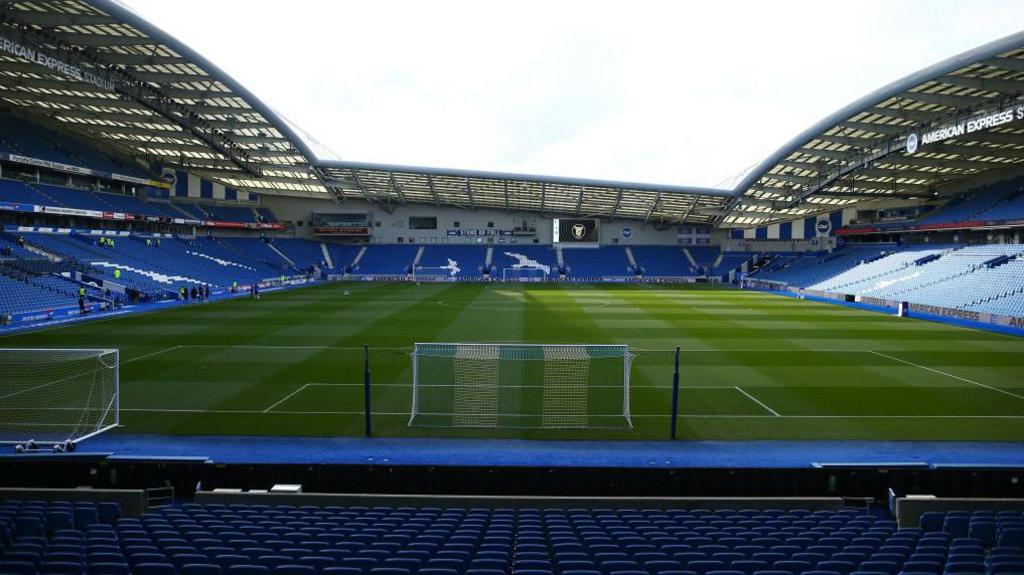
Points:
[57,396]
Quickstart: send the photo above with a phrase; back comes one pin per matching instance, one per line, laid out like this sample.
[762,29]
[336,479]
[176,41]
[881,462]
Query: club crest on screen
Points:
[578,231]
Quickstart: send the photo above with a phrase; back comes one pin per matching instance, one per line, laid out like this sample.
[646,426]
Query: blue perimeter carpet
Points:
[524,453]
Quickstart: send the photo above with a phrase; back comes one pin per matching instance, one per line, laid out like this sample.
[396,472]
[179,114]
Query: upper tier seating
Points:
[662,261]
[605,261]
[27,139]
[20,192]
[998,201]
[387,259]
[192,211]
[51,195]
[468,259]
[230,213]
[190,539]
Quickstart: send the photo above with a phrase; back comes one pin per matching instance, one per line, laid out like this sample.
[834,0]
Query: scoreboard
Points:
[575,230]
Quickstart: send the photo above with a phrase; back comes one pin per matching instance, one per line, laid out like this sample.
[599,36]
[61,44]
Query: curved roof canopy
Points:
[100,71]
[861,153]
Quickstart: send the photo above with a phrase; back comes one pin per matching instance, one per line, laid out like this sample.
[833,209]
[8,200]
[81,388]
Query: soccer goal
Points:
[523,275]
[524,386]
[57,396]
[433,274]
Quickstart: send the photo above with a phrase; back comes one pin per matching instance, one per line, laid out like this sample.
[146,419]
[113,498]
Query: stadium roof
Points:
[860,152]
[98,70]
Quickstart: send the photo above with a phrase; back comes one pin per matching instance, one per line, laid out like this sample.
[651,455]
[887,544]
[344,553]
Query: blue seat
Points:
[85,515]
[294,570]
[964,568]
[932,521]
[841,567]
[1007,567]
[319,563]
[247,570]
[62,568]
[29,527]
[956,525]
[923,566]
[702,566]
[983,531]
[749,566]
[109,569]
[1011,537]
[17,568]
[358,571]
[154,569]
[199,569]
[272,561]
[33,558]
[108,512]
[792,567]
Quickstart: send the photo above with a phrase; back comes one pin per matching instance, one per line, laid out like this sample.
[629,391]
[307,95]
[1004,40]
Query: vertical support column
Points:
[367,411]
[675,396]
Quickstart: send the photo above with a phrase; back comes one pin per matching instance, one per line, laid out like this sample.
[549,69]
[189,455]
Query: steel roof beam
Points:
[1005,87]
[948,100]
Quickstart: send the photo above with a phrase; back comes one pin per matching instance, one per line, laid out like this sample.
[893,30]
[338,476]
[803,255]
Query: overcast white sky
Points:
[674,92]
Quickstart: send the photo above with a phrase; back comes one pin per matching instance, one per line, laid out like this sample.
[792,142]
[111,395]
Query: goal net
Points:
[520,386]
[57,395]
[434,274]
[523,275]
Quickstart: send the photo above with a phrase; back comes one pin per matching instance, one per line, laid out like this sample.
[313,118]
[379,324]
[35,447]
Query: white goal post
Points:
[521,386]
[54,396]
[523,275]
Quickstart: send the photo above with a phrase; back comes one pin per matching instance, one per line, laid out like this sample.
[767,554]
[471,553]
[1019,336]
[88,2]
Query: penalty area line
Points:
[285,398]
[757,401]
[940,372]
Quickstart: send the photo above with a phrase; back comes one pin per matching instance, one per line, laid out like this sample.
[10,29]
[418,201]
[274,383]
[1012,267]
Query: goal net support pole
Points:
[58,395]
[522,386]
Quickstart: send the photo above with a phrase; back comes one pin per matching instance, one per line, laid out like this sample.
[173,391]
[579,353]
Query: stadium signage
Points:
[68,168]
[54,63]
[468,232]
[341,231]
[946,312]
[990,120]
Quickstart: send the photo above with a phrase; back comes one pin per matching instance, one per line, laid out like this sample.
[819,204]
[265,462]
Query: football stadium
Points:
[223,352]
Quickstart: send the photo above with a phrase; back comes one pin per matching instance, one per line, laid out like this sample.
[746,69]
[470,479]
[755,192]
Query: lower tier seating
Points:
[74,539]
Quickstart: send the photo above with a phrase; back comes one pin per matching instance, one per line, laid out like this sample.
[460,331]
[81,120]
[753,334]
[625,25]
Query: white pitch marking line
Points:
[645,415]
[285,398]
[940,372]
[757,401]
[151,354]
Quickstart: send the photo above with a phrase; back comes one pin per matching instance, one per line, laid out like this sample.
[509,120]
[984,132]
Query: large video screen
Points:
[575,230]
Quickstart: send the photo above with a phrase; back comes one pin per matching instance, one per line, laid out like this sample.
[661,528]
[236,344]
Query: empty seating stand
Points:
[195,539]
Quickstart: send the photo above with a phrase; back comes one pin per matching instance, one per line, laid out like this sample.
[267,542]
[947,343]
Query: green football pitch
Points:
[753,366]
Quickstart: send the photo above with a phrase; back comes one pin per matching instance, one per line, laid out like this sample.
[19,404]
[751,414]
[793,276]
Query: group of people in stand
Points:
[197,293]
